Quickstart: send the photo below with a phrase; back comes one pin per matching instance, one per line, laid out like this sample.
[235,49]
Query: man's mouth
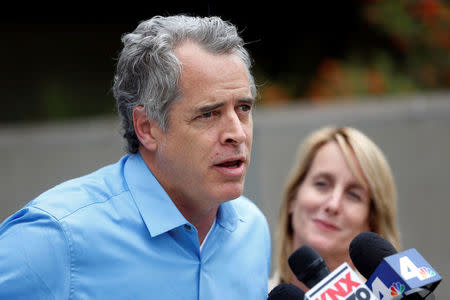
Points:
[231,164]
[232,167]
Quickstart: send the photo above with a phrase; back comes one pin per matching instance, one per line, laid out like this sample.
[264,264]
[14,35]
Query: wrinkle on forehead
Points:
[198,67]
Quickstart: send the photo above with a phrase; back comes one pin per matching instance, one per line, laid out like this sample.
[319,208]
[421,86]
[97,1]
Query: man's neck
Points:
[204,225]
[202,220]
[201,217]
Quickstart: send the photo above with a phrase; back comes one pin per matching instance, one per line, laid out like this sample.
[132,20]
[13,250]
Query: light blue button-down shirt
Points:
[115,234]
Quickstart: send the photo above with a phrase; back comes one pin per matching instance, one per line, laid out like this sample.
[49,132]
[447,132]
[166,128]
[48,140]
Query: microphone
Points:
[405,275]
[286,291]
[343,283]
[308,266]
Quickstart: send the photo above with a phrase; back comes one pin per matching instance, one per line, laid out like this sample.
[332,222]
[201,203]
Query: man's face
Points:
[204,154]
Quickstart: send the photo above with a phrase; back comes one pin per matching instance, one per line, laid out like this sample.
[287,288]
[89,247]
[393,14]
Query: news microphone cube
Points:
[402,272]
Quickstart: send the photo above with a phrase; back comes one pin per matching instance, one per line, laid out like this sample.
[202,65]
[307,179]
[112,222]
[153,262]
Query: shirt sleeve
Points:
[34,257]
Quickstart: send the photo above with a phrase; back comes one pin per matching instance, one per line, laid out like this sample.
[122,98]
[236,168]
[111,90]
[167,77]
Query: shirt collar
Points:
[157,209]
[227,216]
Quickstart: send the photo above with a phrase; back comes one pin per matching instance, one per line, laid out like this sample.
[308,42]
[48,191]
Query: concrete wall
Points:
[413,132]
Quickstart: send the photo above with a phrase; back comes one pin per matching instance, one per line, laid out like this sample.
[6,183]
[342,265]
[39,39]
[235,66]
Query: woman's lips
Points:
[325,226]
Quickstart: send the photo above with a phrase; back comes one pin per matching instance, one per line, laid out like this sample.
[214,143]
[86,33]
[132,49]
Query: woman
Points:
[340,186]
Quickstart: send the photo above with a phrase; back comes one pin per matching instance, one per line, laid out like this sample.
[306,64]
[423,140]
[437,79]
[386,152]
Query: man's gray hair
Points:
[148,71]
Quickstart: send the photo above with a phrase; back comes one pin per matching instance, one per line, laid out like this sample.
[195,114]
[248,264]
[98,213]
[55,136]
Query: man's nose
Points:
[233,132]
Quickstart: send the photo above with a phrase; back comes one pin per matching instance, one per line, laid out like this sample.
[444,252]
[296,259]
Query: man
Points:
[168,220]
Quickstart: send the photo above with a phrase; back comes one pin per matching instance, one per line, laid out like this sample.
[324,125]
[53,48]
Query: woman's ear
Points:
[148,131]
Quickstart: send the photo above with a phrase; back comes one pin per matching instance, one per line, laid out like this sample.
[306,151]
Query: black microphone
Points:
[286,291]
[367,250]
[308,266]
[391,273]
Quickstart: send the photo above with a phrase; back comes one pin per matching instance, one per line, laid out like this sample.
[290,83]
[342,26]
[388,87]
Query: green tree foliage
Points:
[416,57]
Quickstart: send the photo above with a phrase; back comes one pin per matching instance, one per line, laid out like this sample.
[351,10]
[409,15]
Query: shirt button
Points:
[187,227]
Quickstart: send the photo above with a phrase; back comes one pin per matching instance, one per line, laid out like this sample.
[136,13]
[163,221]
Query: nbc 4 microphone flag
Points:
[402,272]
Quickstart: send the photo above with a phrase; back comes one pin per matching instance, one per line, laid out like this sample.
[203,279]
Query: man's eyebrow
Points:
[248,100]
[213,106]
[209,107]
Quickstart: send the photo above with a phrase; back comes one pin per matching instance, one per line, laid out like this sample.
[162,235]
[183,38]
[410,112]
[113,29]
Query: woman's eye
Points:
[320,183]
[355,196]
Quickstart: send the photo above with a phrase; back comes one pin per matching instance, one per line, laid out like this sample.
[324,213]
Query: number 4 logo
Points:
[409,270]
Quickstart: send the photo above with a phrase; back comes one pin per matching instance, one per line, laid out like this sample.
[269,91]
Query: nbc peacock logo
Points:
[425,273]
[397,289]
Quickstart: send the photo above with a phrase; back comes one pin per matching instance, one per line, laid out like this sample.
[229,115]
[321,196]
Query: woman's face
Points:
[331,207]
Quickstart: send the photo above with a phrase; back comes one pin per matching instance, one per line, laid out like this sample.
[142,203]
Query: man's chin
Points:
[230,192]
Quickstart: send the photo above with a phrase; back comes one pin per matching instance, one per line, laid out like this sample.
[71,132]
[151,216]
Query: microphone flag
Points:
[342,283]
[402,272]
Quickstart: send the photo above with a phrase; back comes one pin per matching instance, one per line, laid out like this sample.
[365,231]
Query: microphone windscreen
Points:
[286,291]
[367,250]
[308,266]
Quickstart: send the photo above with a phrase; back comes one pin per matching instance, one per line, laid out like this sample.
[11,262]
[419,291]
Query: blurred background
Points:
[379,65]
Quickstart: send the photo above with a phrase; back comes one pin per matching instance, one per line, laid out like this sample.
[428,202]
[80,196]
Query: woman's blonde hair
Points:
[376,170]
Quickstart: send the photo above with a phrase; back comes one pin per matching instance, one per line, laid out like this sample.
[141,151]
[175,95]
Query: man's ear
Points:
[147,131]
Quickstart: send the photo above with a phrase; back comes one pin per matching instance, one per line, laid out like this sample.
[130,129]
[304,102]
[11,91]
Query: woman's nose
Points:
[334,201]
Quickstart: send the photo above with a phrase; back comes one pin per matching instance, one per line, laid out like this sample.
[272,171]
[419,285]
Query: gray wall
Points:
[413,132]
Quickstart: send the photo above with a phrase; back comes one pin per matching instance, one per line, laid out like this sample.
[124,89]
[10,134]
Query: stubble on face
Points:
[192,156]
